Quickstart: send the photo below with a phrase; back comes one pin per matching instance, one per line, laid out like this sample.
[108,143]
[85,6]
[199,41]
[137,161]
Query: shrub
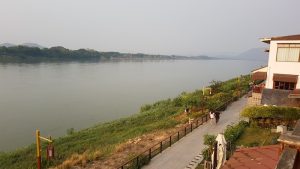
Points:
[70,131]
[206,154]
[287,113]
[232,133]
[209,139]
[145,108]
[215,86]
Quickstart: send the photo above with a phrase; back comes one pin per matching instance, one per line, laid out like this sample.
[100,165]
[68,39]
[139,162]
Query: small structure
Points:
[257,75]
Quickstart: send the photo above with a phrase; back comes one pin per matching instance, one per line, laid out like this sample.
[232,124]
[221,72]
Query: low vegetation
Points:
[288,113]
[232,134]
[100,141]
[256,136]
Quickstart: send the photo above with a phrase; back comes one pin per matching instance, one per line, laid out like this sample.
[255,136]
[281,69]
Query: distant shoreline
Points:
[26,54]
[20,54]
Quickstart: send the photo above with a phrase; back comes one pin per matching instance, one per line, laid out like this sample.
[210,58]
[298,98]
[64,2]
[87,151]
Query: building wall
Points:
[281,67]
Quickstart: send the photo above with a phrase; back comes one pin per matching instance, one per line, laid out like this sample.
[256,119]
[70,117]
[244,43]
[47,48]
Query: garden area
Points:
[241,135]
[256,132]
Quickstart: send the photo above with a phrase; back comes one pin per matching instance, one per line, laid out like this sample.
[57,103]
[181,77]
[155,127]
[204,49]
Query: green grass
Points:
[105,137]
[255,136]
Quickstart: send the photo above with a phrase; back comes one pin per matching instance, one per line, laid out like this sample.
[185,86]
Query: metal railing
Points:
[145,157]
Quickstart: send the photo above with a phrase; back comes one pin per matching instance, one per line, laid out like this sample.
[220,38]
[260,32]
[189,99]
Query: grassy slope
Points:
[105,137]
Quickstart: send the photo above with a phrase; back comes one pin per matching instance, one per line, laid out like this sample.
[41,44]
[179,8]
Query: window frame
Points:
[291,85]
[288,45]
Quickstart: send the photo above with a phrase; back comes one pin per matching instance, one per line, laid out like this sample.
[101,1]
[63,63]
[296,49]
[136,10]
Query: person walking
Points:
[217,116]
[212,117]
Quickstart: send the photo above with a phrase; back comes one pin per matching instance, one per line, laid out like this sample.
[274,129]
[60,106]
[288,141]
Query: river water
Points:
[54,97]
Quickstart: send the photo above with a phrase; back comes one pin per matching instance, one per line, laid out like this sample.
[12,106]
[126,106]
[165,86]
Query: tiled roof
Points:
[279,98]
[265,157]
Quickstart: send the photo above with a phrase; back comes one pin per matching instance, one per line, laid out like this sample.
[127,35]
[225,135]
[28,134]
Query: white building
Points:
[282,75]
[284,62]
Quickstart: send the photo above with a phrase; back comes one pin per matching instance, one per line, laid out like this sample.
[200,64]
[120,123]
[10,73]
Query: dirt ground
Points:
[129,149]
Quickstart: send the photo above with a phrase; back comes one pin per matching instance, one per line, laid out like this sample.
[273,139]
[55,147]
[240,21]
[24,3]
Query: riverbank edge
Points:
[162,120]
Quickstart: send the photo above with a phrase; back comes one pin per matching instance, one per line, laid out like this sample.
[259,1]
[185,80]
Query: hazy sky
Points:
[185,27]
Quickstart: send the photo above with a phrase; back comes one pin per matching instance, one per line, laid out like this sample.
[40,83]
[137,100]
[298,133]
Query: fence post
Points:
[137,162]
[177,135]
[201,120]
[197,123]
[150,156]
[170,140]
[184,131]
[160,146]
[191,127]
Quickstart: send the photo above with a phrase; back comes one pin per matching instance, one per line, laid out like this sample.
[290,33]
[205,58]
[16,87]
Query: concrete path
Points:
[185,150]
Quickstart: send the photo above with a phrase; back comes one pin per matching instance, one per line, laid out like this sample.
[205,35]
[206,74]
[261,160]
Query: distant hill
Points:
[7,44]
[253,54]
[32,52]
[33,45]
[37,53]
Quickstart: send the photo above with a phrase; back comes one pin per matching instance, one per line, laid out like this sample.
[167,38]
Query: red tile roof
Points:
[265,157]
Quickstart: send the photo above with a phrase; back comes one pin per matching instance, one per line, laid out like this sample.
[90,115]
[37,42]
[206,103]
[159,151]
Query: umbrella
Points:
[221,151]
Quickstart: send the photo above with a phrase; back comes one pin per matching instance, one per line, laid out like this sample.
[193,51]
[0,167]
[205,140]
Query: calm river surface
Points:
[54,97]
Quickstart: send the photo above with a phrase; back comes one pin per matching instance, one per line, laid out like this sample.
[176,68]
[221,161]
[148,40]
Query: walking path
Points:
[185,150]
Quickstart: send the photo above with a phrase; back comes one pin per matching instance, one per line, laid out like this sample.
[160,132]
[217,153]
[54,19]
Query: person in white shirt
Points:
[212,117]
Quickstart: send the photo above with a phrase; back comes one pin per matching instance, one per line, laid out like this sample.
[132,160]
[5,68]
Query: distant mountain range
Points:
[35,52]
[23,44]
[253,54]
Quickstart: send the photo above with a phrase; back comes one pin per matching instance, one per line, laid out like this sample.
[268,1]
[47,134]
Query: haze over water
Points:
[54,97]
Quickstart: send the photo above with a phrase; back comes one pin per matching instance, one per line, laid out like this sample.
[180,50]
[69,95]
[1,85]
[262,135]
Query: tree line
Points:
[19,53]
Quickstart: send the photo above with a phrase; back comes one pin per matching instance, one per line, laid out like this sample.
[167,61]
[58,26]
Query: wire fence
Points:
[145,157]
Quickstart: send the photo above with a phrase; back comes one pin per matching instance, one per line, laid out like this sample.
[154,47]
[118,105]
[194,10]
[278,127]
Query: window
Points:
[288,53]
[284,85]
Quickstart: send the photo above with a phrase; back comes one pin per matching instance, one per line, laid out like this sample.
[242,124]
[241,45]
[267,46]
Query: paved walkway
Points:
[185,150]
